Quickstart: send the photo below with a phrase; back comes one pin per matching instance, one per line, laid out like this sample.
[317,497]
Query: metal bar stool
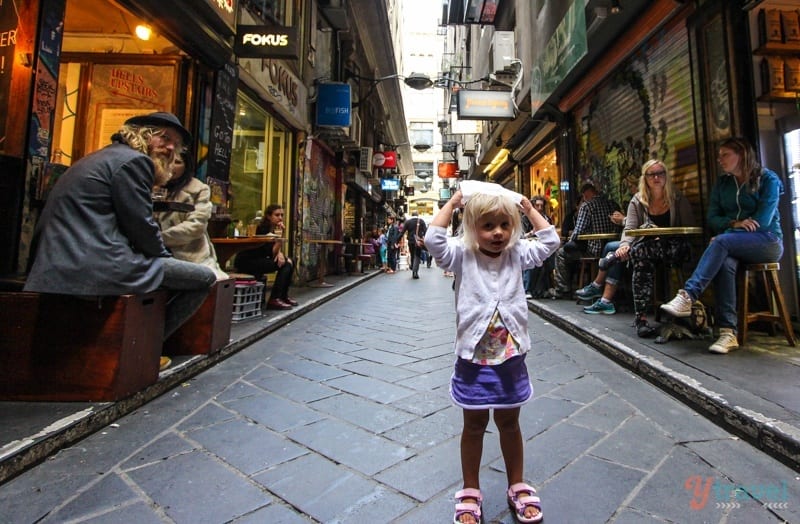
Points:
[769,274]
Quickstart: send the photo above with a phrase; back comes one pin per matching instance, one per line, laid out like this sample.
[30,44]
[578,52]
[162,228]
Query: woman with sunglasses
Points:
[656,204]
[743,214]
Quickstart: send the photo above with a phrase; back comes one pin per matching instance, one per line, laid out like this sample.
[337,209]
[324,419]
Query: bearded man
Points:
[96,235]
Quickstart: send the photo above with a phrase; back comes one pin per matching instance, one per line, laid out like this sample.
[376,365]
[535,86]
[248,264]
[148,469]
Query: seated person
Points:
[537,280]
[657,203]
[97,236]
[186,233]
[596,215]
[604,285]
[268,258]
[743,214]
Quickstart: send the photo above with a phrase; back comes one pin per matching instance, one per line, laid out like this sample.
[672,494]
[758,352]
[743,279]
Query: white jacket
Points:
[484,284]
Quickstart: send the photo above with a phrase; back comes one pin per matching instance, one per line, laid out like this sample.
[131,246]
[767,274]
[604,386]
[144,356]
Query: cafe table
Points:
[664,231]
[322,264]
[227,247]
[599,236]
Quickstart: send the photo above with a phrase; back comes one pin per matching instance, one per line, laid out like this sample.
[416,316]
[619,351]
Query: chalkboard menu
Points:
[222,117]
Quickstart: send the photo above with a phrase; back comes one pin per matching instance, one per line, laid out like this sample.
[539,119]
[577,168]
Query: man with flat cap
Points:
[96,235]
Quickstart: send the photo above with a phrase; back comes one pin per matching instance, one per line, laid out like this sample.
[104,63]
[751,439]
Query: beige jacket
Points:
[186,234]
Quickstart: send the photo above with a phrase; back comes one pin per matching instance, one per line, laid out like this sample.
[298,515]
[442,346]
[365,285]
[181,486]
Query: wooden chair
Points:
[769,275]
[586,268]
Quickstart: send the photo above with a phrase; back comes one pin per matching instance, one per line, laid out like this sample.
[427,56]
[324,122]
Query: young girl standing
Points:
[492,332]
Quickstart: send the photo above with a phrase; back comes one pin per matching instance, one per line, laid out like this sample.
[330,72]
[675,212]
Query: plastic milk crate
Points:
[247,300]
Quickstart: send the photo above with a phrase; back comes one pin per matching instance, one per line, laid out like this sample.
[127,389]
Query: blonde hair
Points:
[644,190]
[138,138]
[482,204]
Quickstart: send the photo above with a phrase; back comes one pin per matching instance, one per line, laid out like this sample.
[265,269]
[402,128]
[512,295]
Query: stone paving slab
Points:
[258,438]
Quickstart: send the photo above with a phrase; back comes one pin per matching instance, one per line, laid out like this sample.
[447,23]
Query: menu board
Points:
[222,118]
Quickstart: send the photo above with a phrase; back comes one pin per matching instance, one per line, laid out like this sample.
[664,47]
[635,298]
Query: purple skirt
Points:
[506,385]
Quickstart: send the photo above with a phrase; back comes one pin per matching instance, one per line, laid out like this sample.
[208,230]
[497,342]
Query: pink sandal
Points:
[522,496]
[472,508]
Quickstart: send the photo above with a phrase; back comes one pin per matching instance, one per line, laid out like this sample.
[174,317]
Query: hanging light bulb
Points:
[143,31]
[615,7]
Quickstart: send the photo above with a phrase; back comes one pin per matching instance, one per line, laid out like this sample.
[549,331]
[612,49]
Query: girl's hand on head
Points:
[455,200]
[526,205]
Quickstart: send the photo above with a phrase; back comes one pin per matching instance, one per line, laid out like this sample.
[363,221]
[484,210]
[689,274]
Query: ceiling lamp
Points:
[616,8]
[143,31]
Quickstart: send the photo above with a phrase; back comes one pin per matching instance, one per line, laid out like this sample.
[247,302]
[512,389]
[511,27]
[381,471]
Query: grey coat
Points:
[96,234]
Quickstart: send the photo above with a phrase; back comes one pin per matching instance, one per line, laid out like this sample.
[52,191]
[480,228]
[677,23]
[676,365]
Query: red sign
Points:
[385,159]
[447,170]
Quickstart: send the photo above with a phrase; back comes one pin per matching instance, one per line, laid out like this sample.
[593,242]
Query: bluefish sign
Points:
[333,105]
[266,41]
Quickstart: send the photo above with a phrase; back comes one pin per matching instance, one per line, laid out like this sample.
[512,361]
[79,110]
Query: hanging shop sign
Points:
[563,51]
[385,159]
[266,41]
[447,170]
[333,105]
[225,10]
[390,184]
[485,105]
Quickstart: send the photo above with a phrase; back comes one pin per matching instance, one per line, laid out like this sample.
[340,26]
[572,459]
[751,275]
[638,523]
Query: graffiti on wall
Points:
[642,111]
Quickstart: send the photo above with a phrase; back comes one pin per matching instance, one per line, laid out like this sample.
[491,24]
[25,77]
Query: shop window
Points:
[260,166]
[94,100]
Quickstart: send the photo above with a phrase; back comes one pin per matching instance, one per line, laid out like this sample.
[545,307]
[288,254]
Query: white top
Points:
[485,284]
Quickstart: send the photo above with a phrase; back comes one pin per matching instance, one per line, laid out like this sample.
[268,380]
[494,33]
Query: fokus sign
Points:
[266,41]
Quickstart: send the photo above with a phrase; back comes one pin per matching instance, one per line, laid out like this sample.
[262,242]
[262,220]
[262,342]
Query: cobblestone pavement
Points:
[343,416]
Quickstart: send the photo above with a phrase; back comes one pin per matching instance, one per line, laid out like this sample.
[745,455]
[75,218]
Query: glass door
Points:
[789,128]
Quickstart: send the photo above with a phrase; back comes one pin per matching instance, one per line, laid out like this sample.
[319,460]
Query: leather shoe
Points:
[290,301]
[277,303]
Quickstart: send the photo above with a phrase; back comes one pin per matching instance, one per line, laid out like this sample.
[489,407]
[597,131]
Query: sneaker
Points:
[600,308]
[643,329]
[680,306]
[725,343]
[528,296]
[164,363]
[589,292]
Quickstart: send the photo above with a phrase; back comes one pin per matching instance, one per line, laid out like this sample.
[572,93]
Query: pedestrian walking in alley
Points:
[491,342]
[415,229]
[392,244]
[743,214]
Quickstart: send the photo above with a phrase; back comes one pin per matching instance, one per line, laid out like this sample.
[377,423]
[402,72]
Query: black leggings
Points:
[283,274]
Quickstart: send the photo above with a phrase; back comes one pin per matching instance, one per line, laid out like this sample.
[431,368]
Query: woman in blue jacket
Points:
[743,214]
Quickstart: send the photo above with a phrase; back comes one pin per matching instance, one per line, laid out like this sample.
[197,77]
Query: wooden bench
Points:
[65,348]
[209,329]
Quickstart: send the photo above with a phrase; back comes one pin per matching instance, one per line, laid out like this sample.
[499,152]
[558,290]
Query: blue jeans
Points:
[719,263]
[189,284]
[614,274]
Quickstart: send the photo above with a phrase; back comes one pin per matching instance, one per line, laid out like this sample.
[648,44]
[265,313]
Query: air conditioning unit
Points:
[354,131]
[365,159]
[470,145]
[502,51]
